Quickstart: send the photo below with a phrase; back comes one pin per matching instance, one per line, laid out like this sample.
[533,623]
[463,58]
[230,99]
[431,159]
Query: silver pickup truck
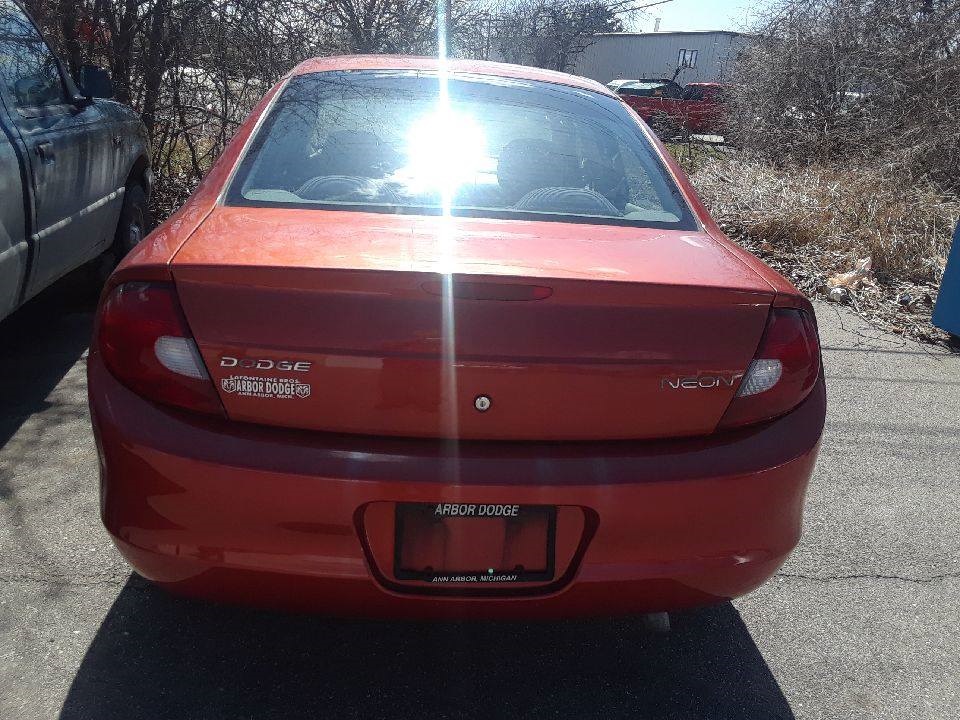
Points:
[74,169]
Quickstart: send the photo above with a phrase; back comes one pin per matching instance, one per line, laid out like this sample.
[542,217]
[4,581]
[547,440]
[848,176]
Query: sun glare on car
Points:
[446,149]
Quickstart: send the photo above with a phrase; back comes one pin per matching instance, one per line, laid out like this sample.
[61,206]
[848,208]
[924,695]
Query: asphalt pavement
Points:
[862,622]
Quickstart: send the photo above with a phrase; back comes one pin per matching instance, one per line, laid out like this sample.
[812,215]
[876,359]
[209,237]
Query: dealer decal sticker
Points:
[265,387]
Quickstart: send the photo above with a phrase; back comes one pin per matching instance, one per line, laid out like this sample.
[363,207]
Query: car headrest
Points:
[568,201]
[526,164]
[353,152]
[346,188]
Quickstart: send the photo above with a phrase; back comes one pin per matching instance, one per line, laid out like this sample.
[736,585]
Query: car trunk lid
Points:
[398,325]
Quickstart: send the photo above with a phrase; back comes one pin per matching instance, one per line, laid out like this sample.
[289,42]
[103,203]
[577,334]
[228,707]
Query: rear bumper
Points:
[276,517]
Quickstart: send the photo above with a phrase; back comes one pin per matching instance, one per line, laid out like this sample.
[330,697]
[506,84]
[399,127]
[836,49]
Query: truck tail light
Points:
[782,373]
[146,344]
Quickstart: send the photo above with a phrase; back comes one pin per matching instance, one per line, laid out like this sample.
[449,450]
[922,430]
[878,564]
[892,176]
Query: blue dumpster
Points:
[946,313]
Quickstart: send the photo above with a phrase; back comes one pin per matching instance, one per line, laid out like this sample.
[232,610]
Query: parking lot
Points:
[862,622]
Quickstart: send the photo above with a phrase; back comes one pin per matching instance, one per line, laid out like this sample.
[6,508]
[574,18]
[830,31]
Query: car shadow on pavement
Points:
[158,656]
[39,344]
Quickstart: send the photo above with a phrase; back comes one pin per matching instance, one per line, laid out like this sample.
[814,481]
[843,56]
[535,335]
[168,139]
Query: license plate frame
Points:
[477,576]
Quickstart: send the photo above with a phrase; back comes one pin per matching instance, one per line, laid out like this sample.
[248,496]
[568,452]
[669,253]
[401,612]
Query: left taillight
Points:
[145,342]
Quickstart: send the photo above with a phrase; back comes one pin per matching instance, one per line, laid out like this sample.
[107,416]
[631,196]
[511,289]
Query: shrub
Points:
[845,213]
[849,81]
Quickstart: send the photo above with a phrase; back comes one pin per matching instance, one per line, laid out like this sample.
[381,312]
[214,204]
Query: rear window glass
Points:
[648,88]
[488,147]
[711,93]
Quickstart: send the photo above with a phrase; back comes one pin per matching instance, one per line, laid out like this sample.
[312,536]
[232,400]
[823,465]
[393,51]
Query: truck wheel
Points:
[132,227]
[134,221]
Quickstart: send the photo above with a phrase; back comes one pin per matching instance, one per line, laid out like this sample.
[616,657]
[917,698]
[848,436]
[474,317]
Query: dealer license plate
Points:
[474,543]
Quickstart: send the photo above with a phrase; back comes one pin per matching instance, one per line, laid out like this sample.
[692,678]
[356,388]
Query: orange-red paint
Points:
[570,329]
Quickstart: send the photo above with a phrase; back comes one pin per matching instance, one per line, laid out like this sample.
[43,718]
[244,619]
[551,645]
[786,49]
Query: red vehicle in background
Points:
[673,110]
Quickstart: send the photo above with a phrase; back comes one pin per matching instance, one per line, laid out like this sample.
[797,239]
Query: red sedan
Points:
[451,340]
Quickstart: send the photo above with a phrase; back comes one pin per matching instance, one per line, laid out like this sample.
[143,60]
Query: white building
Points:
[704,56]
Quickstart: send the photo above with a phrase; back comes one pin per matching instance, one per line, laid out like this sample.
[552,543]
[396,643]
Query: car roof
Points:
[644,84]
[454,66]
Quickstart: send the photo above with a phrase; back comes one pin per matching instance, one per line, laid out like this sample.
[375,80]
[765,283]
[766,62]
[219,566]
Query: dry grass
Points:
[850,213]
[814,221]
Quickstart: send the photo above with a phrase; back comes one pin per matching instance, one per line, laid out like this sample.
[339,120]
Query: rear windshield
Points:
[703,92]
[647,88]
[392,142]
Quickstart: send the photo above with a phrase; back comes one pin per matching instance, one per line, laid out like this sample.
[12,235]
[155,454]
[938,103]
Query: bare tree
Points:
[552,33]
[195,68]
[852,79]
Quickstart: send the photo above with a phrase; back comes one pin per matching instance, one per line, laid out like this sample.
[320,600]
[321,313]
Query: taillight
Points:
[782,373]
[147,345]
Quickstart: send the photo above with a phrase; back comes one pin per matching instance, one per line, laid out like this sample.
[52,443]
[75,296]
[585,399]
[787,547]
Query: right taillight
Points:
[146,344]
[782,373]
